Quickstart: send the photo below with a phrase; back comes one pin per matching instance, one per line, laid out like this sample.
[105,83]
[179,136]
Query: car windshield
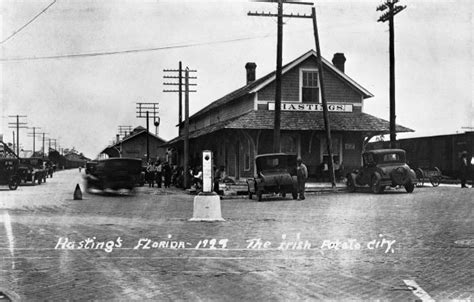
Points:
[392,158]
[273,163]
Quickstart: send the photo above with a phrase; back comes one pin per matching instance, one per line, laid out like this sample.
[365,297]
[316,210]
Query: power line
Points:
[107,53]
[28,23]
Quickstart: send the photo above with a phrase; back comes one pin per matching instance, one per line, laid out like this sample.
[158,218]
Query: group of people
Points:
[158,172]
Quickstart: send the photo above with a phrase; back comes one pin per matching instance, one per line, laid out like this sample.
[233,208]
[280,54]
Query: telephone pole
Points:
[124,130]
[187,77]
[327,125]
[34,138]
[279,15]
[389,15]
[143,111]
[17,125]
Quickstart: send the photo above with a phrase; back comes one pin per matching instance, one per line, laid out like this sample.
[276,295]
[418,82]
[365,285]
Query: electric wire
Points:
[28,23]
[117,52]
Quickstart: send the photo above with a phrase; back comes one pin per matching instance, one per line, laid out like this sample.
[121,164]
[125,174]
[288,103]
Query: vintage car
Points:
[90,166]
[9,172]
[49,166]
[381,168]
[114,174]
[276,173]
[32,169]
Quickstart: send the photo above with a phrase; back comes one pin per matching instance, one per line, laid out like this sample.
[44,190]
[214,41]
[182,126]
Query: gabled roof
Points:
[138,131]
[260,83]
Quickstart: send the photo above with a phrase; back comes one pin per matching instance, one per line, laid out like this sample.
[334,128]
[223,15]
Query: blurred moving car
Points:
[114,174]
[276,173]
[90,166]
[381,168]
[32,169]
[9,172]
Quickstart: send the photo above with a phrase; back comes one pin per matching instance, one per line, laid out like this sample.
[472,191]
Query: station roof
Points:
[301,121]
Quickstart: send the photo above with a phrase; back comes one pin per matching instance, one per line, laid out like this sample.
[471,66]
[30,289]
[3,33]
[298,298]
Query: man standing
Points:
[463,169]
[302,175]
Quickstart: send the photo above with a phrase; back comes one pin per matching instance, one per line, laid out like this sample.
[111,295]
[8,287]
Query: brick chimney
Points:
[338,60]
[250,67]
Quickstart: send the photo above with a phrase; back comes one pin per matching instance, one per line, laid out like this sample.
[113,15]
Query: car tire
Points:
[13,184]
[420,178]
[283,194]
[39,180]
[375,185]
[409,187]
[259,196]
[350,184]
[435,180]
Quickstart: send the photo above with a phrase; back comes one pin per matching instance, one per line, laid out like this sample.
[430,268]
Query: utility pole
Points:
[34,138]
[147,108]
[43,134]
[279,15]
[393,9]
[124,130]
[187,77]
[327,125]
[17,125]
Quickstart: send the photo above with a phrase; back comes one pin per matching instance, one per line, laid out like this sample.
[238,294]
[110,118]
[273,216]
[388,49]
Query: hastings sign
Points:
[311,107]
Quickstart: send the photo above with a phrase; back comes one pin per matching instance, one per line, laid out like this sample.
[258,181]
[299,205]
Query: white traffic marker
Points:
[418,291]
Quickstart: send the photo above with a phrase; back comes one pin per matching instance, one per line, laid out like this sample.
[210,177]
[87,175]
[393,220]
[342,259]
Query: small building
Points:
[134,145]
[240,125]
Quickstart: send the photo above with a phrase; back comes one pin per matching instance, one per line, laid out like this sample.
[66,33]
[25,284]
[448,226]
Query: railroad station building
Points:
[239,126]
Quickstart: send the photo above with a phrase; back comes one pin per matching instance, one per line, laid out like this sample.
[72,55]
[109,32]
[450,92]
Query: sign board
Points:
[207,171]
[334,107]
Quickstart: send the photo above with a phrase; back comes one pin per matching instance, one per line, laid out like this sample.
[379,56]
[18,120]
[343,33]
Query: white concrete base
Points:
[207,207]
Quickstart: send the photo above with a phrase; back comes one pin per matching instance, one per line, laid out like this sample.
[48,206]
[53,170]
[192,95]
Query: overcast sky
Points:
[82,100]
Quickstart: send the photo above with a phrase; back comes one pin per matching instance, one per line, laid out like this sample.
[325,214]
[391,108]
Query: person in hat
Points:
[463,169]
[302,175]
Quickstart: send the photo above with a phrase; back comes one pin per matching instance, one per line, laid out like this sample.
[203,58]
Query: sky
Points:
[81,100]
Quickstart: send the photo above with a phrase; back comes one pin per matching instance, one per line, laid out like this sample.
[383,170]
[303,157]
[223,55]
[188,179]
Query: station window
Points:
[310,87]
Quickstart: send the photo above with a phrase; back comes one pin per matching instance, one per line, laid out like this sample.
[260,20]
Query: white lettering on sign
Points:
[311,107]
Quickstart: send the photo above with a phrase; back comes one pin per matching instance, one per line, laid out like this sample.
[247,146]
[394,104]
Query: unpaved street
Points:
[394,246]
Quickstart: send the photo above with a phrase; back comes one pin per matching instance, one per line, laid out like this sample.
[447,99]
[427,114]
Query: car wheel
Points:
[409,187]
[375,185]
[419,176]
[13,184]
[294,194]
[39,180]
[283,194]
[259,195]
[350,184]
[435,181]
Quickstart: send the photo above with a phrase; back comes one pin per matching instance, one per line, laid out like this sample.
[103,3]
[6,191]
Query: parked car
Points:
[114,174]
[381,168]
[32,169]
[9,172]
[276,173]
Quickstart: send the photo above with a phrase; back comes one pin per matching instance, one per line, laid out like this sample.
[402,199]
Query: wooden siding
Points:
[337,90]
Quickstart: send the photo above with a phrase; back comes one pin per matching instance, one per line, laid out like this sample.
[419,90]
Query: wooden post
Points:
[186,128]
[323,98]
[277,118]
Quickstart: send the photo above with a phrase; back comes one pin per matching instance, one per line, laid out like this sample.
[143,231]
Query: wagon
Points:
[433,175]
